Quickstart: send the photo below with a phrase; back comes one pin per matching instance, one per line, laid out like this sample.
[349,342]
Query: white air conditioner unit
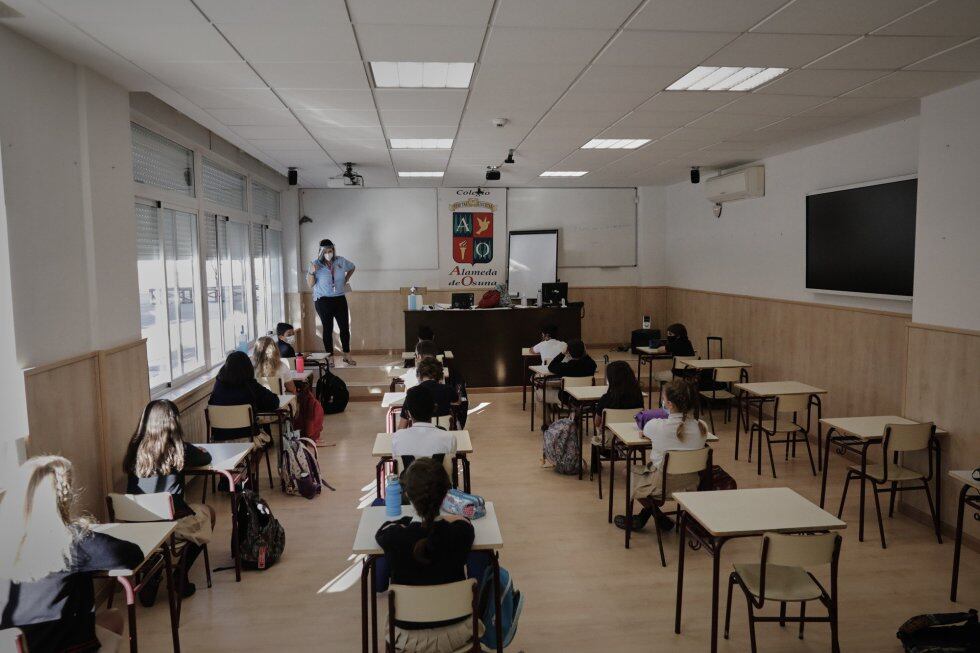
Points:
[738,185]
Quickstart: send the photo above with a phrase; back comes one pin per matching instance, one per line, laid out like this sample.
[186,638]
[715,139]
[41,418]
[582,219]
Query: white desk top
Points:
[147,536]
[965,476]
[540,370]
[397,372]
[287,401]
[630,434]
[527,351]
[773,388]
[868,428]
[650,351]
[409,355]
[712,363]
[393,399]
[755,511]
[487,530]
[382,443]
[587,392]
[300,376]
[225,456]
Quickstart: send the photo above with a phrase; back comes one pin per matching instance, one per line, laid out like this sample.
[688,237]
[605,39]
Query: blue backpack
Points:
[511,604]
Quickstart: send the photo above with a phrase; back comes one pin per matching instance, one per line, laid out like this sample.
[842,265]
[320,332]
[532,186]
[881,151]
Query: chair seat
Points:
[782,583]
[664,376]
[895,472]
[783,425]
[718,394]
[268,419]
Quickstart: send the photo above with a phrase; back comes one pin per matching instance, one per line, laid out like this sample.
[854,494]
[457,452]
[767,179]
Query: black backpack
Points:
[952,632]
[332,393]
[261,538]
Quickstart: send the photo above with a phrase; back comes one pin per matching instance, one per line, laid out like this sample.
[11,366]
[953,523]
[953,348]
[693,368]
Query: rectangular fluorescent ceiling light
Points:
[615,143]
[420,174]
[564,173]
[421,143]
[725,78]
[421,74]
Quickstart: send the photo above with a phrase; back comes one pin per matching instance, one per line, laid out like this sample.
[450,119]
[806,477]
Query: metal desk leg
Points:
[629,499]
[826,464]
[864,482]
[466,474]
[130,611]
[612,476]
[717,543]
[650,381]
[738,423]
[681,537]
[958,542]
[171,598]
[365,573]
[533,392]
[373,582]
[498,622]
[939,490]
[524,374]
[578,432]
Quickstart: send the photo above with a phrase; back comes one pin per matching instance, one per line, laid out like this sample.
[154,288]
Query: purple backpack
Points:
[645,416]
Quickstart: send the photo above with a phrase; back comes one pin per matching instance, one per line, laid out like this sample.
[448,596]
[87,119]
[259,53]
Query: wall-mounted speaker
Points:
[293,177]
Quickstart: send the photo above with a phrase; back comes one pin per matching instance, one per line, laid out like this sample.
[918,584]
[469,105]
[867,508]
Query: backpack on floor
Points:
[261,538]
[511,605]
[561,444]
[299,471]
[953,632]
[310,415]
[332,393]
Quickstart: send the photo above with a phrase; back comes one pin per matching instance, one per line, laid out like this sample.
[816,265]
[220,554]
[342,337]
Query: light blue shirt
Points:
[330,280]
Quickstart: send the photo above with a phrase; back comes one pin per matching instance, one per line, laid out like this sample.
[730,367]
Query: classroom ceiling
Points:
[288,81]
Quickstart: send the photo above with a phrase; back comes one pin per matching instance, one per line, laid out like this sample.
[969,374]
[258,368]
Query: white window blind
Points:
[160,162]
[274,246]
[265,201]
[223,186]
[260,273]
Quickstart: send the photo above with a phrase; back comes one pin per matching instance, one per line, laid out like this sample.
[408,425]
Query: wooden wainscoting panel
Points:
[125,391]
[63,416]
[652,301]
[610,313]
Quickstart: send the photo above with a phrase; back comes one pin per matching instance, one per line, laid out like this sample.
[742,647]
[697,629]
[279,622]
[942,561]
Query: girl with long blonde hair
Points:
[268,362]
[48,555]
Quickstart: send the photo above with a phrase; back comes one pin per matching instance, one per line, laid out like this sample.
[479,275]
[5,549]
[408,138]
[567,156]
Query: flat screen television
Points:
[861,239]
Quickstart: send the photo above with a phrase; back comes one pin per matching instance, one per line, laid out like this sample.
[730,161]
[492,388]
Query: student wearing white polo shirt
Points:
[550,346]
[423,439]
[423,350]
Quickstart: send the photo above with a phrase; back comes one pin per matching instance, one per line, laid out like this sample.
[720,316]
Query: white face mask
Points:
[290,340]
[328,255]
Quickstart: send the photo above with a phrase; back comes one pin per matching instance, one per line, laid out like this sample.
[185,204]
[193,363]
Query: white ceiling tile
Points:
[259,132]
[942,18]
[703,15]
[596,119]
[423,161]
[133,12]
[422,12]
[621,79]
[443,117]
[773,105]
[836,16]
[286,144]
[473,127]
[319,42]
[964,58]
[323,130]
[731,121]
[827,83]
[421,131]
[217,75]
[410,99]
[663,49]
[419,43]
[524,77]
[658,119]
[198,42]
[338,117]
[361,152]
[851,106]
[776,50]
[622,102]
[625,131]
[314,98]
[280,12]
[299,158]
[231,98]
[886,52]
[348,75]
[911,84]
[560,46]
[559,14]
[236,117]
[689,100]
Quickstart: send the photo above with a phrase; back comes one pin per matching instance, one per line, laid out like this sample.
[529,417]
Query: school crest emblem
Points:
[473,236]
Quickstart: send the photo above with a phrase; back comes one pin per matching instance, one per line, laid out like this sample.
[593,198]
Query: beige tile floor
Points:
[584,591]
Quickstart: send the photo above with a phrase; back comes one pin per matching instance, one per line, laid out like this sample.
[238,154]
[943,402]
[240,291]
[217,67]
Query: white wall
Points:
[757,247]
[947,238]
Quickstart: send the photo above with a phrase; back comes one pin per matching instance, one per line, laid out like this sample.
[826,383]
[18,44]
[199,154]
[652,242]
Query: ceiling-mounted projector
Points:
[348,178]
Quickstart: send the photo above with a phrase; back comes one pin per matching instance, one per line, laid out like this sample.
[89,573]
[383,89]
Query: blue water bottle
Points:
[393,496]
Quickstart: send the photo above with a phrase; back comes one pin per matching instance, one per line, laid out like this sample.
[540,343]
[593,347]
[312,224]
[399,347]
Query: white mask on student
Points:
[329,255]
[290,340]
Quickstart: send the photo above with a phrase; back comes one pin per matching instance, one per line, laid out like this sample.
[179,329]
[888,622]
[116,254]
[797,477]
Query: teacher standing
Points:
[328,276]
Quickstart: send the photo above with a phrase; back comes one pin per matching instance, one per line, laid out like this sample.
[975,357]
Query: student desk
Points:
[765,391]
[305,376]
[540,379]
[230,460]
[646,356]
[965,477]
[527,356]
[856,435]
[392,402]
[382,450]
[442,358]
[583,401]
[631,440]
[487,538]
[149,536]
[727,514]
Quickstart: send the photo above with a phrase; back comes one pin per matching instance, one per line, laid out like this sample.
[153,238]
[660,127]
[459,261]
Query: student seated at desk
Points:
[269,363]
[578,364]
[48,558]
[430,551]
[155,462]
[426,333]
[624,391]
[423,438]
[236,385]
[430,375]
[550,346]
[286,340]
[677,344]
[680,430]
[423,350]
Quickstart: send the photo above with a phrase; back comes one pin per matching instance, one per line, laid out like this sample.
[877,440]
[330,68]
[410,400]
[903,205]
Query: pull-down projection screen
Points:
[533,260]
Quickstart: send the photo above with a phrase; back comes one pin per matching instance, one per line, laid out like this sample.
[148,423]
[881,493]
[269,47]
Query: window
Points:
[169,286]
[160,162]
[274,245]
[223,186]
[265,201]
[260,273]
[227,274]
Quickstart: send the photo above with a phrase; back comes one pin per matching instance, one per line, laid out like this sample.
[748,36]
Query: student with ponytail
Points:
[429,550]
[679,431]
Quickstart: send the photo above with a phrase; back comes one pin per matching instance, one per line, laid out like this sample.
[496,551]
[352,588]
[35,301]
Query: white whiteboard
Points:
[376,228]
[532,260]
[597,226]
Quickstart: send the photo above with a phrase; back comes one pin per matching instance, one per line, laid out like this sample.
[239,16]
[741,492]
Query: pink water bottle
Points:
[300,366]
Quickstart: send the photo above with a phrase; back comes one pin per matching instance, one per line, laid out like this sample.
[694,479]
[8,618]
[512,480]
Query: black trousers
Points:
[330,309]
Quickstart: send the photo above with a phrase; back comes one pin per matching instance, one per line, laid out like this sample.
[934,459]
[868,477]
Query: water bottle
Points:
[300,364]
[242,341]
[393,496]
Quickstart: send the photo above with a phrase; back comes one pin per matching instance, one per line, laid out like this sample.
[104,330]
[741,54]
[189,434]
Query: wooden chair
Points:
[290,362]
[676,463]
[721,346]
[12,640]
[725,376]
[238,417]
[782,576]
[601,449]
[273,383]
[899,440]
[786,418]
[433,603]
[663,377]
[574,382]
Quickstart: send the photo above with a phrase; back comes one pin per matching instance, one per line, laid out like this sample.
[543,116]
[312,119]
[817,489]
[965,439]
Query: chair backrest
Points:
[721,346]
[578,381]
[799,550]
[728,374]
[682,461]
[908,437]
[228,417]
[619,415]
[158,506]
[674,362]
[798,404]
[12,640]
[429,603]
[447,463]
[290,362]
[274,383]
